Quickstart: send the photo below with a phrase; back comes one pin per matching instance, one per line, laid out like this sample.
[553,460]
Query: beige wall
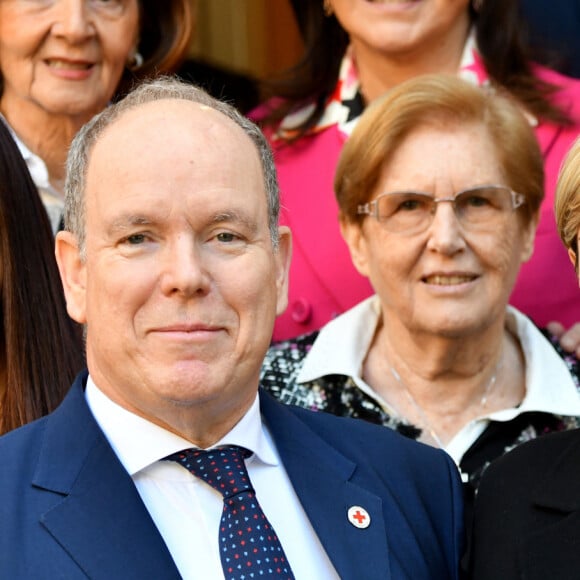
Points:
[257,37]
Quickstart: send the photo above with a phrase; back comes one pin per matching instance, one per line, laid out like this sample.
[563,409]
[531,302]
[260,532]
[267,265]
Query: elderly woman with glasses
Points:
[439,188]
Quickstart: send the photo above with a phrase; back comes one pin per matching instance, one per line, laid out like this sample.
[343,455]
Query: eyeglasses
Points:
[408,212]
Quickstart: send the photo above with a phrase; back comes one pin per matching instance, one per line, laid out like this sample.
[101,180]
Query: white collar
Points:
[343,343]
[550,387]
[139,443]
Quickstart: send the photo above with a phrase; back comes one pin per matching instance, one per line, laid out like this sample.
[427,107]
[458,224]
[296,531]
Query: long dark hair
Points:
[41,347]
[501,40]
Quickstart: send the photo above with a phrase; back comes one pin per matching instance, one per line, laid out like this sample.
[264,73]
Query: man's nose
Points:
[185,270]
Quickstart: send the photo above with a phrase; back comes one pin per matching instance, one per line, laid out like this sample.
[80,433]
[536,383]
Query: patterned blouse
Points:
[339,395]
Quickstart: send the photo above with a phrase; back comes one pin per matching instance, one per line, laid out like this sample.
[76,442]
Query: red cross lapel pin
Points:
[359,517]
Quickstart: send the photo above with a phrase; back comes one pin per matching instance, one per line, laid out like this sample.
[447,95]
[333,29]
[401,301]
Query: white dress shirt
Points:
[342,346]
[187,511]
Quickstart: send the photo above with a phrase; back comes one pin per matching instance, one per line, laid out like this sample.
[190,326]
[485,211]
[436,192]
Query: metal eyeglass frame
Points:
[370,208]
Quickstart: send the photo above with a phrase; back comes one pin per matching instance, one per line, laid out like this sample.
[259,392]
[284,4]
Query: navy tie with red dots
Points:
[249,546]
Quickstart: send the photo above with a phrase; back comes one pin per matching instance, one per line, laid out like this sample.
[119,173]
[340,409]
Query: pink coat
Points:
[323,281]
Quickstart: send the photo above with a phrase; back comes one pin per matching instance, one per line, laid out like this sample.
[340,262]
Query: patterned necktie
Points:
[249,546]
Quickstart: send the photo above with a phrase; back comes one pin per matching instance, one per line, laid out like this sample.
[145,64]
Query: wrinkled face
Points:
[400,27]
[181,285]
[446,280]
[65,56]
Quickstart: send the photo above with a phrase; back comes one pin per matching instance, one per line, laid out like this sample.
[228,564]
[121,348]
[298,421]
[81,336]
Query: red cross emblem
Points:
[359,517]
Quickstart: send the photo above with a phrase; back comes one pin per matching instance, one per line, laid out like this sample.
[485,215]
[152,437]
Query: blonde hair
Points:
[438,100]
[567,203]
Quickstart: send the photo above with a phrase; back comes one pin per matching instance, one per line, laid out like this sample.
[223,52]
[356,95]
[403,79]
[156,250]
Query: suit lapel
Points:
[101,521]
[553,551]
[322,479]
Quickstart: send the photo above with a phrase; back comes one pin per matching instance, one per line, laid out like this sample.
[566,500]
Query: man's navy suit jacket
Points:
[68,508]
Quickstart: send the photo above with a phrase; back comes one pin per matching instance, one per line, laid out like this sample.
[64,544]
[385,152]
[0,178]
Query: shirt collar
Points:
[550,387]
[343,343]
[139,443]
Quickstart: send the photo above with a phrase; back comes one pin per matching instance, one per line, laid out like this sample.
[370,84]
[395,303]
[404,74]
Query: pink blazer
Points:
[323,281]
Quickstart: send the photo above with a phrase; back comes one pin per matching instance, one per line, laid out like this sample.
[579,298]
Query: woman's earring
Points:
[135,61]
[327,7]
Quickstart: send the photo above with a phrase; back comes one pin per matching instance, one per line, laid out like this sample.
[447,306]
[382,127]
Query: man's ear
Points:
[283,257]
[356,242]
[73,275]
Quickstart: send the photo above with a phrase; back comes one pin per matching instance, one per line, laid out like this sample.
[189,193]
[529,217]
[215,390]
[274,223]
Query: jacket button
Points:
[301,311]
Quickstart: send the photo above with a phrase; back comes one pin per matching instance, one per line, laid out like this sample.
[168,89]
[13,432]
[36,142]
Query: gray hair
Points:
[158,89]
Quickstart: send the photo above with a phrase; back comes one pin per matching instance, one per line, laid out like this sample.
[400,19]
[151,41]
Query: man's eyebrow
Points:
[128,221]
[234,216]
